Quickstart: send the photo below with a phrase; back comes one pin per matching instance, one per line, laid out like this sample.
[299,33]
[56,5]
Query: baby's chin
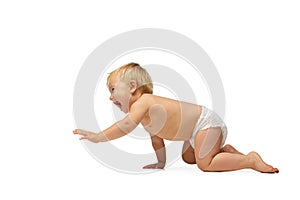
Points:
[124,110]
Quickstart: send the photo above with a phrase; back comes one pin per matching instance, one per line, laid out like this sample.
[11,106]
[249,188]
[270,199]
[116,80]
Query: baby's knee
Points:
[189,158]
[203,167]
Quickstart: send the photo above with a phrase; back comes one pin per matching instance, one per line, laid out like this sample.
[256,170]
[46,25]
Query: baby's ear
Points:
[133,86]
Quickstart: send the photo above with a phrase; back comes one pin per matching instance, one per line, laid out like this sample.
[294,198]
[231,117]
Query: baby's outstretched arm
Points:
[120,128]
[110,133]
[87,135]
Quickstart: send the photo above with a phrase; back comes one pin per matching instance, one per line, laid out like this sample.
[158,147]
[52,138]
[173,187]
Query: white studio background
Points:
[255,46]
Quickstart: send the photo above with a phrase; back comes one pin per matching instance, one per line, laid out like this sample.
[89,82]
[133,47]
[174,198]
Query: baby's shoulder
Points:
[146,98]
[144,102]
[149,100]
[154,99]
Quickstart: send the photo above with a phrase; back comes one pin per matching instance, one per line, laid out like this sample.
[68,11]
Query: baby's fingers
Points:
[80,132]
[83,138]
[151,166]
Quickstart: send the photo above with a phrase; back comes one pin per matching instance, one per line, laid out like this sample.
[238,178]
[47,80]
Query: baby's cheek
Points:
[125,97]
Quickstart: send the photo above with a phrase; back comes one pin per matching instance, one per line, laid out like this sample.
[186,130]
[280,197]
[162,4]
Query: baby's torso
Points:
[171,119]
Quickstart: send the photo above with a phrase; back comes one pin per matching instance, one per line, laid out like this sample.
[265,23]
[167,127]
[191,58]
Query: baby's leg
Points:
[188,154]
[210,158]
[230,149]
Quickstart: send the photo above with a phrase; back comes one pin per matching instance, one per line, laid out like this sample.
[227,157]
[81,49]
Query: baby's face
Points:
[120,94]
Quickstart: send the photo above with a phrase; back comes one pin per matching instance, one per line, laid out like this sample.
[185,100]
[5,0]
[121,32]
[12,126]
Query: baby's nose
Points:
[111,98]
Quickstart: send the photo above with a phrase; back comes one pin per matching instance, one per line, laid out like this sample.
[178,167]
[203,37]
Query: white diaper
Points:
[209,119]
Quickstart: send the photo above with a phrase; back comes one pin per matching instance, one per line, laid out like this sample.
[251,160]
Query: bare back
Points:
[170,119]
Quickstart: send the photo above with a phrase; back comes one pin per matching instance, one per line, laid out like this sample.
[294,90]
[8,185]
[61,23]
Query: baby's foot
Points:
[260,165]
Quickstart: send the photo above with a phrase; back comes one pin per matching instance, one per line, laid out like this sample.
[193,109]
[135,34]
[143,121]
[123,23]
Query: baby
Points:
[202,130]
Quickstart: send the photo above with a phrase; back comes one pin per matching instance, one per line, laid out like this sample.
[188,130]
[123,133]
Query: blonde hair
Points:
[133,71]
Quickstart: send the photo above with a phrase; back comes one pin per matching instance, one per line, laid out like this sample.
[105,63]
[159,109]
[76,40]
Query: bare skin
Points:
[169,119]
[227,158]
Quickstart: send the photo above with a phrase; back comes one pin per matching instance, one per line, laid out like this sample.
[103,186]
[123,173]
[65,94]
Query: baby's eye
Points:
[112,89]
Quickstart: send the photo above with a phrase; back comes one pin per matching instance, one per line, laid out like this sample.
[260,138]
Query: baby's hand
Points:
[87,135]
[159,165]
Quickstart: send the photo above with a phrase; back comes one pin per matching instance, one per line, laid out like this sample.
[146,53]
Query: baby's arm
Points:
[159,147]
[120,128]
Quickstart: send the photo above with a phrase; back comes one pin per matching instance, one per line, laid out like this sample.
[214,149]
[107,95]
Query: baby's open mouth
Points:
[117,103]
